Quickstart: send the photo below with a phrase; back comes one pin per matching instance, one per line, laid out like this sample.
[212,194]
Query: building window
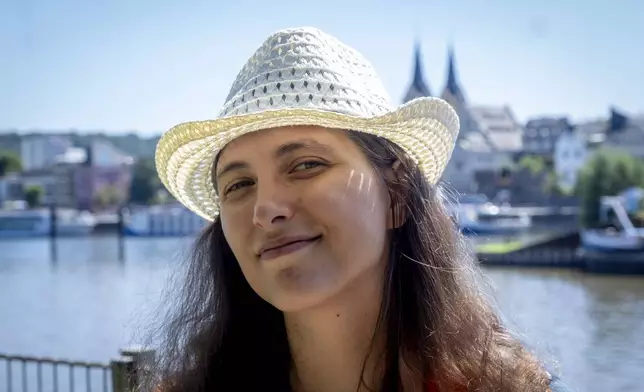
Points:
[544,145]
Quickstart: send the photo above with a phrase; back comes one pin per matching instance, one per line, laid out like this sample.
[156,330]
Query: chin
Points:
[294,292]
[294,304]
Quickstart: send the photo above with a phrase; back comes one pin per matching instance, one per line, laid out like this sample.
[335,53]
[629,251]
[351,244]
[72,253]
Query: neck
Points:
[331,344]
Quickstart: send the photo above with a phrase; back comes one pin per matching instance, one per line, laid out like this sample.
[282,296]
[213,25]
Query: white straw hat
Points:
[303,77]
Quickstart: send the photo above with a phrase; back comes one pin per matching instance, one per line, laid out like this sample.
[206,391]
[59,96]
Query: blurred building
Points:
[42,178]
[575,146]
[625,133]
[500,126]
[489,135]
[570,154]
[105,170]
[69,176]
[40,151]
[418,87]
[541,134]
[10,188]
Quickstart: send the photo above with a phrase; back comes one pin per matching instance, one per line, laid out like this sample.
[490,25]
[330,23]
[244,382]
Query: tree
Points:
[145,182]
[535,164]
[9,162]
[552,187]
[33,196]
[607,173]
[542,168]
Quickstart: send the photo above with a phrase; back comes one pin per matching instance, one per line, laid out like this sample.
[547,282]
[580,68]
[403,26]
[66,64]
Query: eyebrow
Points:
[282,150]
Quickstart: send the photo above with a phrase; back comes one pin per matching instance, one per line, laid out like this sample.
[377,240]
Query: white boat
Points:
[611,241]
[161,221]
[621,236]
[37,223]
[485,219]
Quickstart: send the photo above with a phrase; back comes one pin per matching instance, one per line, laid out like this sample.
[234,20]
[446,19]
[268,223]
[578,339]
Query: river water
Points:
[87,305]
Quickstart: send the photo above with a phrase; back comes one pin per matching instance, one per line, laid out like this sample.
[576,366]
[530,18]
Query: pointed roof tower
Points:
[617,121]
[452,89]
[418,87]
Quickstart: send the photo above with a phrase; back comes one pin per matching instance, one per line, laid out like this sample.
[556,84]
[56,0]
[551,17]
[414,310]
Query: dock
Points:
[558,250]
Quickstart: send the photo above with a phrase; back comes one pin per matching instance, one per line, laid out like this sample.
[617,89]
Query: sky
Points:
[144,66]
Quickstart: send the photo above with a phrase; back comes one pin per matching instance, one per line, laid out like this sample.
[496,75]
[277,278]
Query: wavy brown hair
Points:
[221,336]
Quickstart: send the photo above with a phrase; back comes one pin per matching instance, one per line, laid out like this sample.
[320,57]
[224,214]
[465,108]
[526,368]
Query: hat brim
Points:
[426,128]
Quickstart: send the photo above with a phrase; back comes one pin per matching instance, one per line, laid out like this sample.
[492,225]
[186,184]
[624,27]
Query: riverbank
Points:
[558,251]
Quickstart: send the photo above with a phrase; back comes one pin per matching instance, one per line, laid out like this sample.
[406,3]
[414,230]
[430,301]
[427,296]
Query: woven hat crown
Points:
[302,76]
[306,68]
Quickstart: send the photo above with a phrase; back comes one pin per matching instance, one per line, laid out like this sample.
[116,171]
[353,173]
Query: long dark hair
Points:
[223,337]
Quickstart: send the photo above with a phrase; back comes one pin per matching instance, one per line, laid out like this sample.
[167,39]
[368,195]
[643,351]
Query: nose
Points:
[274,205]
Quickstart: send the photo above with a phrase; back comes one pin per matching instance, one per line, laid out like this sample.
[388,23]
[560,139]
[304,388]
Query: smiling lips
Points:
[285,246]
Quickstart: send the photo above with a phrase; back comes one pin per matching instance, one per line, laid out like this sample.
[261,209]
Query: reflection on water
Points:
[590,324]
[87,305]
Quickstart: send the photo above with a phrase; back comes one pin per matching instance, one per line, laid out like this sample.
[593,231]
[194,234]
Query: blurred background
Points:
[548,171]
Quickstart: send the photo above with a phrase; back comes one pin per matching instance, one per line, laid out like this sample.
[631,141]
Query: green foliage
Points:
[9,162]
[145,182]
[535,164]
[541,166]
[551,184]
[607,173]
[33,196]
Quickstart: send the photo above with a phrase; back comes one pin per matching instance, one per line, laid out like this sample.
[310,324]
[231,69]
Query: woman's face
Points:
[304,213]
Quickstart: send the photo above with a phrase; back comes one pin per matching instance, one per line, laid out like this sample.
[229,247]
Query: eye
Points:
[306,165]
[238,185]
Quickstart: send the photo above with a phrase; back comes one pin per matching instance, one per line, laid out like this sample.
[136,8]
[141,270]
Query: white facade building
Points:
[40,151]
[541,134]
[570,155]
[104,154]
[573,149]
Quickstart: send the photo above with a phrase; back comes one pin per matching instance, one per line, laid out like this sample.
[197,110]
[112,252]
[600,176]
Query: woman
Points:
[331,263]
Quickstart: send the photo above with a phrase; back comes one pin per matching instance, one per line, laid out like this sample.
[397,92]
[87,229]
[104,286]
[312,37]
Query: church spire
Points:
[419,78]
[418,87]
[452,87]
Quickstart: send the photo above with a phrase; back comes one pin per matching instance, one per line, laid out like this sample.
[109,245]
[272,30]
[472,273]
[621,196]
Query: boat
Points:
[618,234]
[474,214]
[161,221]
[486,219]
[29,223]
[611,241]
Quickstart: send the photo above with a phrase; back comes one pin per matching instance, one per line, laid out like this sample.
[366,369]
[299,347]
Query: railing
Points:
[26,374]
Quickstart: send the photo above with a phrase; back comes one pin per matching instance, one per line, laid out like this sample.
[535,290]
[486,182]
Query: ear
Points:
[398,190]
